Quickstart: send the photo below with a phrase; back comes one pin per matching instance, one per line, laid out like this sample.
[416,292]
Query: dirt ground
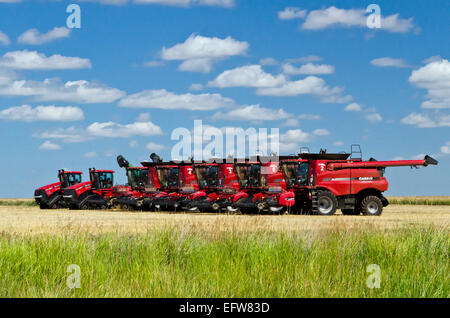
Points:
[32,220]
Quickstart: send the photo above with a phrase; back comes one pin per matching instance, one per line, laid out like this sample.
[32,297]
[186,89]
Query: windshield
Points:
[137,177]
[73,178]
[69,179]
[296,173]
[207,176]
[168,177]
[105,179]
[249,175]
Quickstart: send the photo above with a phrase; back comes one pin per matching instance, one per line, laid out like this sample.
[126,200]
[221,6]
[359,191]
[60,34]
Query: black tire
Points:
[371,205]
[43,206]
[327,203]
[350,212]
[84,206]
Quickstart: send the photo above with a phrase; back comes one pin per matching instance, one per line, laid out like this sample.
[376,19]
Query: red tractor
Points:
[326,182]
[93,194]
[50,196]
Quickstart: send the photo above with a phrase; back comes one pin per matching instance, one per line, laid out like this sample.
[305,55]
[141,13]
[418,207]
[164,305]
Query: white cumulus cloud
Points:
[52,89]
[42,113]
[347,18]
[308,69]
[48,145]
[353,107]
[290,13]
[252,113]
[427,120]
[4,39]
[32,60]
[247,76]
[163,99]
[198,53]
[34,37]
[435,78]
[310,85]
[115,130]
[389,62]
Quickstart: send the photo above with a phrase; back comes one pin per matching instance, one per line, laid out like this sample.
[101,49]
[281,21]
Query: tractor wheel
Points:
[350,212]
[84,206]
[124,206]
[371,205]
[43,206]
[327,203]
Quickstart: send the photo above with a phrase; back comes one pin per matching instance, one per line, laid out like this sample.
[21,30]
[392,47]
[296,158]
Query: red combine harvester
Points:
[50,196]
[325,182]
[176,184]
[140,186]
[217,183]
[93,194]
[262,187]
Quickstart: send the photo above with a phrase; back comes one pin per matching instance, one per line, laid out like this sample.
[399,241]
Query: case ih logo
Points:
[322,166]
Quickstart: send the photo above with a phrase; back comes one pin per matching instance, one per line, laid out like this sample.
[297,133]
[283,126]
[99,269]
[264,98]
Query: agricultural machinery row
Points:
[307,183]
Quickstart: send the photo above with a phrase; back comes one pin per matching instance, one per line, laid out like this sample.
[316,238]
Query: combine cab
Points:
[93,194]
[50,196]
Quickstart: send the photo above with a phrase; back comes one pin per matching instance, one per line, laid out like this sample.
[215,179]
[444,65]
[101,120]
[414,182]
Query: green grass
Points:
[18,203]
[414,262]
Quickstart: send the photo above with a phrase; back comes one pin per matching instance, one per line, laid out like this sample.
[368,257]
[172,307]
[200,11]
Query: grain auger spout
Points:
[382,164]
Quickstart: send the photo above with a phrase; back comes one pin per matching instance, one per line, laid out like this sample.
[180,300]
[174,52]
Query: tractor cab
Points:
[69,178]
[295,172]
[101,179]
[249,174]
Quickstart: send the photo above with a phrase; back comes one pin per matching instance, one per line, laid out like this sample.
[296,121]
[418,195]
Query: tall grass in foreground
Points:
[414,263]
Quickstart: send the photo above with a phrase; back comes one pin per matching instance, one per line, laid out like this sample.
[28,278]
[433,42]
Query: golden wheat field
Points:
[32,220]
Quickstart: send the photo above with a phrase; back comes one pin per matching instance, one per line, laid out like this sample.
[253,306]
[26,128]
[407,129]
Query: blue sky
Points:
[136,70]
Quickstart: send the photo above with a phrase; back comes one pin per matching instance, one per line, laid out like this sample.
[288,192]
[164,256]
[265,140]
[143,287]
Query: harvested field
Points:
[32,220]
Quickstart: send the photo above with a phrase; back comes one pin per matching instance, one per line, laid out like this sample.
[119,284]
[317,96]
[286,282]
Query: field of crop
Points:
[126,254]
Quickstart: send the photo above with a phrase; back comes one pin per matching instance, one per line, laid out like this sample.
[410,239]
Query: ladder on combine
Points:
[314,201]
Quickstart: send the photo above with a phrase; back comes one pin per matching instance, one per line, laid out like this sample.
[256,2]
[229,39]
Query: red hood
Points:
[78,185]
[50,186]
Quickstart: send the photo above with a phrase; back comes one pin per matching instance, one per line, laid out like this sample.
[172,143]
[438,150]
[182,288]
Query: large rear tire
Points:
[371,205]
[327,203]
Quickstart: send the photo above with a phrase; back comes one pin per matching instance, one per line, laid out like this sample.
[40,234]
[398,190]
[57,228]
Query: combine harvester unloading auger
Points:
[309,183]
